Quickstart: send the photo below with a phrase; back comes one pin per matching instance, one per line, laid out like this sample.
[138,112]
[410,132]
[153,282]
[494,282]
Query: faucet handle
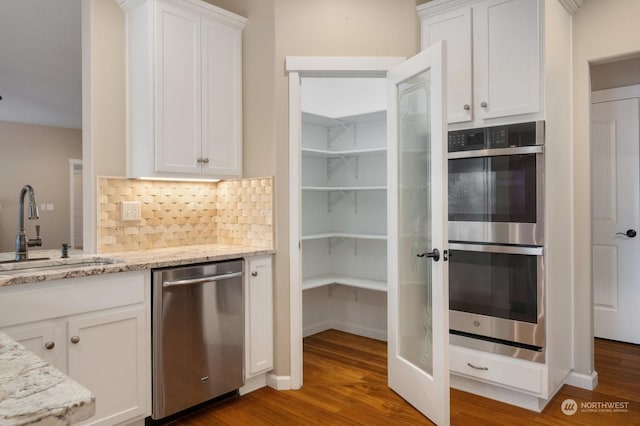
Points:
[37,231]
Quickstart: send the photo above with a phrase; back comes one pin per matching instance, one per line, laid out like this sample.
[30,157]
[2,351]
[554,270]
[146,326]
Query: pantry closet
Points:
[344,205]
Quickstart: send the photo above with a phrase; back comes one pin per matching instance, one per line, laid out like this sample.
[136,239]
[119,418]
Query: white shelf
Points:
[321,120]
[324,280]
[324,153]
[359,236]
[344,188]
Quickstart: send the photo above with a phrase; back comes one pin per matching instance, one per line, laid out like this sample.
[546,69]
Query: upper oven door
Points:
[496,195]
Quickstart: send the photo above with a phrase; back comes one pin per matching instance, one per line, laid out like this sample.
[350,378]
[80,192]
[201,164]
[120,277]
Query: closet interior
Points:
[344,205]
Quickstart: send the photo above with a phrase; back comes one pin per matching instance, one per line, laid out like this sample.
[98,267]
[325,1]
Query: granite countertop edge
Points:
[34,392]
[120,262]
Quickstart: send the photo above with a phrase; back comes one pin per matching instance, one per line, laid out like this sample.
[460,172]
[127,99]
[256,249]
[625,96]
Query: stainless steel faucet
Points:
[22,242]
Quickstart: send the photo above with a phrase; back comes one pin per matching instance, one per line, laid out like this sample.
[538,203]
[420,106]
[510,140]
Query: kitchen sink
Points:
[46,264]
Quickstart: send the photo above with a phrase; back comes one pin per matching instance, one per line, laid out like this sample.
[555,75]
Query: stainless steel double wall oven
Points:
[496,238]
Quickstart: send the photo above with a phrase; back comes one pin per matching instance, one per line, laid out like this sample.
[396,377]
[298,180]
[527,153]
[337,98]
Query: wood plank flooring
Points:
[345,383]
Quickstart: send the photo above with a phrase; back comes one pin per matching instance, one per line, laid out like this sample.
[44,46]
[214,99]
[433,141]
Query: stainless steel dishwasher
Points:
[197,334]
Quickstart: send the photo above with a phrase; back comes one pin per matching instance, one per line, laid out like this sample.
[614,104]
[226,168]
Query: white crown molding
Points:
[436,7]
[571,6]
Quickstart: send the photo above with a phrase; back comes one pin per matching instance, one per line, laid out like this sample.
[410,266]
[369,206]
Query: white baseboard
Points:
[316,328]
[583,381]
[360,330]
[347,328]
[253,383]
[508,396]
[278,382]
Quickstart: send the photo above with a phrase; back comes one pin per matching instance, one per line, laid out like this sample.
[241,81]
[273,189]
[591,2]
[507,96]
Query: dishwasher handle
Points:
[200,280]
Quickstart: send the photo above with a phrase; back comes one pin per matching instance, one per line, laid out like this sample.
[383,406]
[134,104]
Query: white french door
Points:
[418,291]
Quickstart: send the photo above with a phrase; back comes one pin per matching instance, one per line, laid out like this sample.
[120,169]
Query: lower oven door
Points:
[497,293]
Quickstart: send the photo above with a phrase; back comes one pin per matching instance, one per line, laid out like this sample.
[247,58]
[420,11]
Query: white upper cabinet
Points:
[455,28]
[493,57]
[184,67]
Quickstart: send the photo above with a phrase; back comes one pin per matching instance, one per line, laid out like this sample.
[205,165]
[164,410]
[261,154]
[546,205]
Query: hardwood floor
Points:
[345,383]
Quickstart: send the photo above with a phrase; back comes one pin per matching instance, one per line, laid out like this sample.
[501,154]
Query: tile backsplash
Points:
[176,213]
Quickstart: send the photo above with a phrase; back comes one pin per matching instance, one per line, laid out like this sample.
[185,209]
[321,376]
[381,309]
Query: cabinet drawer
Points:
[51,299]
[497,369]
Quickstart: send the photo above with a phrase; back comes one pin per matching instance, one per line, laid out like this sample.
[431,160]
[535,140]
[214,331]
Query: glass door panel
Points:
[414,284]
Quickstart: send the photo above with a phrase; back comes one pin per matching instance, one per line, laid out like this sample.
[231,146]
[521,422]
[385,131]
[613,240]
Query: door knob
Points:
[631,233]
[435,254]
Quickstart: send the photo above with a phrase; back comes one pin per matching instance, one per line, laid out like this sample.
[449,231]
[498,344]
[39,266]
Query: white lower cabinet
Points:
[96,330]
[258,321]
[499,370]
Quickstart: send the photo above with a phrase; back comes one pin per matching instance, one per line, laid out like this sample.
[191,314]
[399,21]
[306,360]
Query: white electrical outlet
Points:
[131,210]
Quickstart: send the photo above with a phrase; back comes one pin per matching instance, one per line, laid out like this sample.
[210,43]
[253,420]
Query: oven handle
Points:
[201,280]
[532,251]
[535,149]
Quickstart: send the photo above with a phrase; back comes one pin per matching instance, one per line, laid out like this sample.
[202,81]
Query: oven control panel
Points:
[507,136]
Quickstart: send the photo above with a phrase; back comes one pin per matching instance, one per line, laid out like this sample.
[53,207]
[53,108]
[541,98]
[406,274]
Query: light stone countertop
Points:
[56,268]
[34,392]
[31,390]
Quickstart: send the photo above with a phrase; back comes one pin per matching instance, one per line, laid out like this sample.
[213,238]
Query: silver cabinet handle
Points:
[75,339]
[50,345]
[466,107]
[254,274]
[477,368]
[483,104]
[207,279]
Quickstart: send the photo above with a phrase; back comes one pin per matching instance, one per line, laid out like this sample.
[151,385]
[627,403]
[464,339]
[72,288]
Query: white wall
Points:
[602,30]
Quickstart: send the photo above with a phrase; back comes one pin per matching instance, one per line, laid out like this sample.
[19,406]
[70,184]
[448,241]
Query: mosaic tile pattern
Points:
[174,213]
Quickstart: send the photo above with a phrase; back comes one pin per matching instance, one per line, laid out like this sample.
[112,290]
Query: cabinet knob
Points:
[199,160]
[254,274]
[467,107]
[483,104]
[205,160]
[75,339]
[50,345]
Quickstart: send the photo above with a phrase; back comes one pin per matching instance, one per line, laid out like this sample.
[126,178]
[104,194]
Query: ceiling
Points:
[40,62]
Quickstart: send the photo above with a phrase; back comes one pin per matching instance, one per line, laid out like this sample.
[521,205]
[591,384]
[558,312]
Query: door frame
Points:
[298,67]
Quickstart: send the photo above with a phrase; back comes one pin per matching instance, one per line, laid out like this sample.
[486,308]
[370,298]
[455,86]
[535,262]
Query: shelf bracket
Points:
[335,163]
[332,201]
[333,242]
[334,132]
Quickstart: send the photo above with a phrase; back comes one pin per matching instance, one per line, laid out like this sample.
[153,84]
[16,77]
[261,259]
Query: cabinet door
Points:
[221,99]
[259,328]
[42,340]
[178,90]
[455,28]
[107,354]
[507,64]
